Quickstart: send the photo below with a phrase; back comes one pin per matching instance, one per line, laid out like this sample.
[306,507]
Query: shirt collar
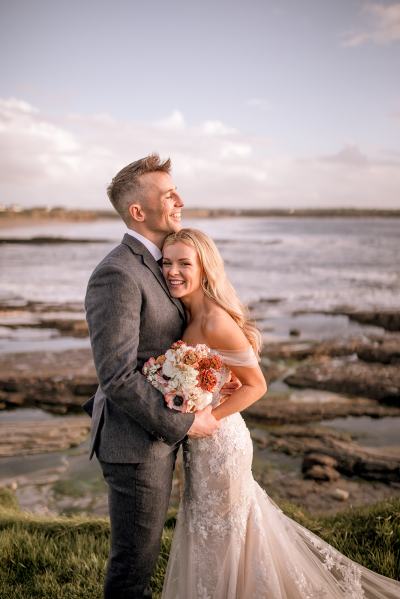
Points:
[153,249]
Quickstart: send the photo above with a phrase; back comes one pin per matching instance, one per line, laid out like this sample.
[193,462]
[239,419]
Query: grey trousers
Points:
[138,502]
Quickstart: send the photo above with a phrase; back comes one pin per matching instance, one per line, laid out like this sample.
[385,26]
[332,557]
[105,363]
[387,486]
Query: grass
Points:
[65,558]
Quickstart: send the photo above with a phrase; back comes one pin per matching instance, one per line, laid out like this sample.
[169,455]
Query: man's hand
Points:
[204,424]
[232,385]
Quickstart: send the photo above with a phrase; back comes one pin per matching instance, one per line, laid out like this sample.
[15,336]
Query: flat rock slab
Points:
[387,319]
[349,458]
[66,363]
[28,438]
[384,348]
[281,411]
[59,379]
[374,380]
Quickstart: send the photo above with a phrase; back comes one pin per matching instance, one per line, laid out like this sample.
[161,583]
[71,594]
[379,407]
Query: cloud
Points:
[383,26]
[217,128]
[173,121]
[350,155]
[70,161]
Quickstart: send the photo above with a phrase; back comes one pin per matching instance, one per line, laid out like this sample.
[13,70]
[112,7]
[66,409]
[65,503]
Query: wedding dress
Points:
[231,541]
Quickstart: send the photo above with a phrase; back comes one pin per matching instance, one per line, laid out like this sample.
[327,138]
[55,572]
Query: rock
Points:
[260,437]
[28,438]
[66,326]
[385,350]
[320,467]
[72,327]
[294,333]
[328,448]
[381,382]
[272,371]
[319,472]
[387,319]
[56,381]
[275,410]
[340,494]
[311,459]
[298,351]
[22,307]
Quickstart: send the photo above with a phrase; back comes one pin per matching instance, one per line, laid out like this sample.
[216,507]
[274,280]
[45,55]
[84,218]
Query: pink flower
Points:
[177,344]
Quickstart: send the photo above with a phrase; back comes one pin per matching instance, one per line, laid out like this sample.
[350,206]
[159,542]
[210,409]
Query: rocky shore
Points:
[57,382]
[21,438]
[387,319]
[66,319]
[296,457]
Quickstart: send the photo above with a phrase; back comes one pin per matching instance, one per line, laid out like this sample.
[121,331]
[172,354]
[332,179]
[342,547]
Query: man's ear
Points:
[136,212]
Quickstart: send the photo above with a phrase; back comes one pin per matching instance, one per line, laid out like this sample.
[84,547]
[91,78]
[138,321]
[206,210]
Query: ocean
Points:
[280,266]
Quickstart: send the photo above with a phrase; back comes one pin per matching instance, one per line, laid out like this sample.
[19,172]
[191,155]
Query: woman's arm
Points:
[223,333]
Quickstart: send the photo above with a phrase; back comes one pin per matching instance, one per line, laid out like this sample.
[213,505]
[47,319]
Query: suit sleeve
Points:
[113,304]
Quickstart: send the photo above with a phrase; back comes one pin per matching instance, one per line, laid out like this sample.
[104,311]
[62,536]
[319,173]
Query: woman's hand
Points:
[230,386]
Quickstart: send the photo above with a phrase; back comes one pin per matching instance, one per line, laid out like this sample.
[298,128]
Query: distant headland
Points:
[15,215]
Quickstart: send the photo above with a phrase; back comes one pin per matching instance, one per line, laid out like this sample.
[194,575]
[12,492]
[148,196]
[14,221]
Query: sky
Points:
[263,104]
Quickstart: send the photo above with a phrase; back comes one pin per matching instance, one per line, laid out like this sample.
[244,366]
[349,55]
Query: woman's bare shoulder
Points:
[222,332]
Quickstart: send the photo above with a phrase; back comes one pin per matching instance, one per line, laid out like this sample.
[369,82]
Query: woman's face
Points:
[181,269]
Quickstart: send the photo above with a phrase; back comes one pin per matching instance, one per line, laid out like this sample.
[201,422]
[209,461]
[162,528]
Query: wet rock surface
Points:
[386,319]
[374,380]
[54,381]
[310,381]
[55,434]
[326,453]
[65,319]
[371,348]
[311,406]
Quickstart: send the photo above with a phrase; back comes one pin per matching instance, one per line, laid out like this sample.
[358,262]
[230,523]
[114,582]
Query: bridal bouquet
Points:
[188,376]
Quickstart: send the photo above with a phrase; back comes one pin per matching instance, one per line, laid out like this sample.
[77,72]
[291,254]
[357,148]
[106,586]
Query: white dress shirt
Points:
[153,249]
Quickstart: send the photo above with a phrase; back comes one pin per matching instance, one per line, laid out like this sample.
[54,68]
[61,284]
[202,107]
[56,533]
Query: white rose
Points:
[168,368]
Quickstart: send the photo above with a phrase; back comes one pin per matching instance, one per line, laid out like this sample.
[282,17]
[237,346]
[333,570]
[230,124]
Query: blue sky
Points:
[264,104]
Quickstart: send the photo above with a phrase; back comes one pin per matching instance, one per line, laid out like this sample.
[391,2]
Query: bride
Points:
[231,540]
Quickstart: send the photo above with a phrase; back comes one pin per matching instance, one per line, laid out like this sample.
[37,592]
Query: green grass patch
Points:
[65,558]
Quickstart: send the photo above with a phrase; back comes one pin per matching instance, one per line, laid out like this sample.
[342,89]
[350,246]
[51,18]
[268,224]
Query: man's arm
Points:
[113,304]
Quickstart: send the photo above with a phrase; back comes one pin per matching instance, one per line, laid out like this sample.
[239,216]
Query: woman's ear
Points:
[136,212]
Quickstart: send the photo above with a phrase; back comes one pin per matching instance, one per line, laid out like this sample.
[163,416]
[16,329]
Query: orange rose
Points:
[205,363]
[215,362]
[207,380]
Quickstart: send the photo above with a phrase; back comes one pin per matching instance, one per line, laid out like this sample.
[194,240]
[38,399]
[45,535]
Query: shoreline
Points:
[38,216]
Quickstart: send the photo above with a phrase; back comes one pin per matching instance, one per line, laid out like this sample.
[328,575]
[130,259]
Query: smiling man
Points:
[132,316]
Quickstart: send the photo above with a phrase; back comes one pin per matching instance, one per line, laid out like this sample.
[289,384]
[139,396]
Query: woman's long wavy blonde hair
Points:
[215,283]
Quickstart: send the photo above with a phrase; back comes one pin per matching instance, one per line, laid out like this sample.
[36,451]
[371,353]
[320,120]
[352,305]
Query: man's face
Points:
[163,205]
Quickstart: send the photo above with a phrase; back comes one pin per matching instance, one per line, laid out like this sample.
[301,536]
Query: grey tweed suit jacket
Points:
[131,317]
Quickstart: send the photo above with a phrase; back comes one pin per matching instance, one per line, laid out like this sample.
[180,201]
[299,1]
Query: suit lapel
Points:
[149,261]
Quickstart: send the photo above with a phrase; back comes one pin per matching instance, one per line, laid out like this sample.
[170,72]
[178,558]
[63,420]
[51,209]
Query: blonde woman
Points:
[231,540]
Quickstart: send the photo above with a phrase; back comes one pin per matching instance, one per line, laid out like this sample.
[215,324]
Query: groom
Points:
[131,317]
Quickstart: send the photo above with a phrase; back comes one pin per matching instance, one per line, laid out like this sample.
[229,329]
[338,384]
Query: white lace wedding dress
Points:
[232,541]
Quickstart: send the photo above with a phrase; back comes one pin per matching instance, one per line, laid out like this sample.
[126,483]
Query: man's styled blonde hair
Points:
[215,282]
[125,188]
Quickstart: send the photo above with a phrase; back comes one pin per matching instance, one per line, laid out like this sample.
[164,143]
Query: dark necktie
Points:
[159,262]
